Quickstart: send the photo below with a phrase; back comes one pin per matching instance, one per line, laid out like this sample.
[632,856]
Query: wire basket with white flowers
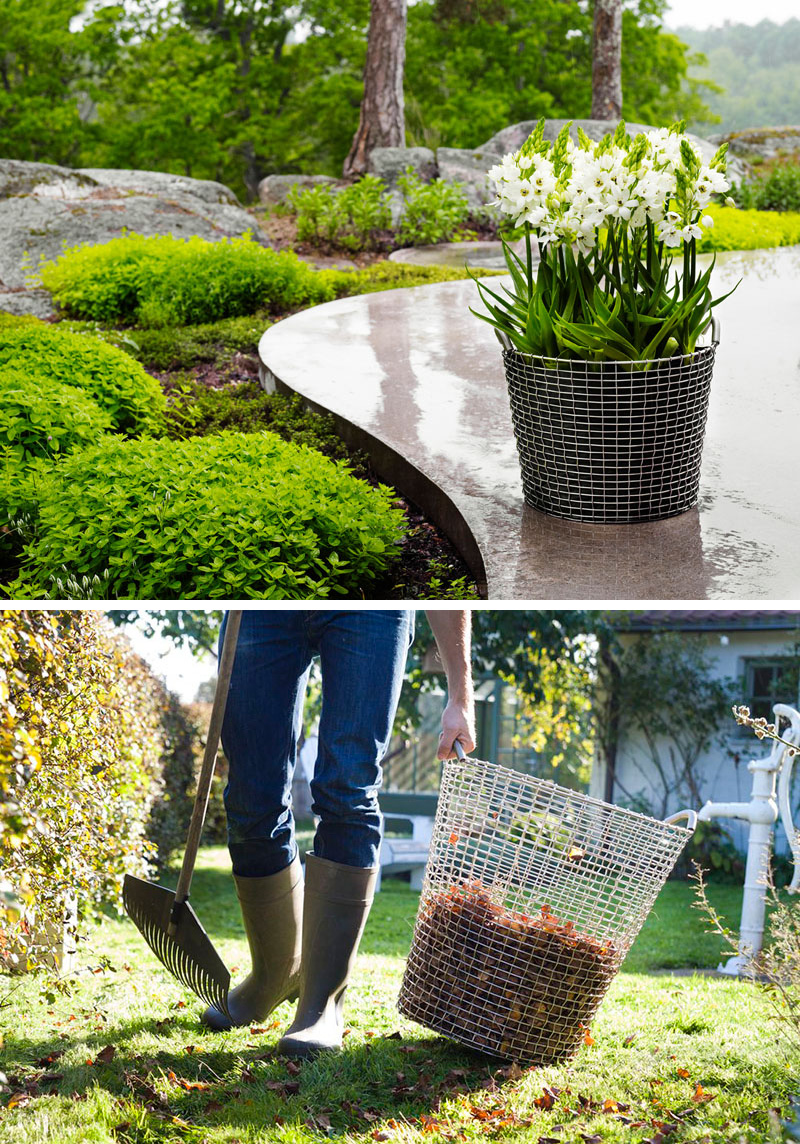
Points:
[607,379]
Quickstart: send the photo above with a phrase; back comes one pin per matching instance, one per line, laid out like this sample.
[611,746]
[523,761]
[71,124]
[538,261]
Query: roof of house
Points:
[707,620]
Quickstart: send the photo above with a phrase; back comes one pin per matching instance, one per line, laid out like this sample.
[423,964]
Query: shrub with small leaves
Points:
[432,212]
[352,218]
[162,281]
[51,357]
[749,229]
[92,747]
[44,421]
[777,191]
[227,516]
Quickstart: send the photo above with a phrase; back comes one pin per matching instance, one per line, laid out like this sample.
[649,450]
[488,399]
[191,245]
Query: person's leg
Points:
[259,735]
[363,657]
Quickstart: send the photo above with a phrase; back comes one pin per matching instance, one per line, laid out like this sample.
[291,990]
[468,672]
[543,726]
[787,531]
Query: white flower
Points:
[707,220]
[535,216]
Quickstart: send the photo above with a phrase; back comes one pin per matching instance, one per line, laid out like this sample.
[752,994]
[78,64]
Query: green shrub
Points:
[432,212]
[91,748]
[14,321]
[749,230]
[50,356]
[161,281]
[777,191]
[229,516]
[194,410]
[351,218]
[106,281]
[41,421]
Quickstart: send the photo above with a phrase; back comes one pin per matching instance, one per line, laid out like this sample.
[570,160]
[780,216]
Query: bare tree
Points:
[382,119]
[607,60]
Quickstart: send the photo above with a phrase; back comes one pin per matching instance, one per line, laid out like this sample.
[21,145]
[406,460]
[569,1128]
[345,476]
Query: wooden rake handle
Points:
[209,756]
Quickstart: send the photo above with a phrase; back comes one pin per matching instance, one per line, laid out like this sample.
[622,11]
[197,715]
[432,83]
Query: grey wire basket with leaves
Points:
[533,895]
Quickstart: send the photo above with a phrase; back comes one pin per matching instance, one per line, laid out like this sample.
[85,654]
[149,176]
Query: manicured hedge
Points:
[51,357]
[165,281]
[227,516]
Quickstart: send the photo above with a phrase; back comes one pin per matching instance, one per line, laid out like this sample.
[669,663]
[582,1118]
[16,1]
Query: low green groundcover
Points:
[750,229]
[51,356]
[39,420]
[165,281]
[228,516]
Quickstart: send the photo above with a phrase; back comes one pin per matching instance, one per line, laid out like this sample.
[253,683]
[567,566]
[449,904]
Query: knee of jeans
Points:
[346,803]
[244,826]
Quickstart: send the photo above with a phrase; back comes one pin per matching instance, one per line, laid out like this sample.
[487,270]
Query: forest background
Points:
[234,90]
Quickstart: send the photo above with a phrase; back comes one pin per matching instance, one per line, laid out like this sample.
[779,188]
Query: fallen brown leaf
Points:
[43,1062]
[701,1096]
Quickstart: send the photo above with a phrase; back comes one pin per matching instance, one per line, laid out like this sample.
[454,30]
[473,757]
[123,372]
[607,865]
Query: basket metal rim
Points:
[452,766]
[560,364]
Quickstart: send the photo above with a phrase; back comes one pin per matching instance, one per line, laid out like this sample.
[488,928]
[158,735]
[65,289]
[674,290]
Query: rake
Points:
[164,917]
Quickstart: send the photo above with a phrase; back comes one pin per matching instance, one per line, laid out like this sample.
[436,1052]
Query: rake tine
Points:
[164,917]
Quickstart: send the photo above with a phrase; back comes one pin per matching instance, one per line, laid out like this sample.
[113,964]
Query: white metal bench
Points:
[406,854]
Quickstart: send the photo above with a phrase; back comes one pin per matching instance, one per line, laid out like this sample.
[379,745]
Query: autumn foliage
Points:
[95,760]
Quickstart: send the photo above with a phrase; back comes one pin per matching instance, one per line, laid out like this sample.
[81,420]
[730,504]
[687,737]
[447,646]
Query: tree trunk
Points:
[607,60]
[382,119]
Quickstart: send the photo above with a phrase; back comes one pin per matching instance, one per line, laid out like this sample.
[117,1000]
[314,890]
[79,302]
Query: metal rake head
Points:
[179,943]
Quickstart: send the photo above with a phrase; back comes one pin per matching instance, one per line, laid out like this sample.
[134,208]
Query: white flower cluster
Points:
[568,191]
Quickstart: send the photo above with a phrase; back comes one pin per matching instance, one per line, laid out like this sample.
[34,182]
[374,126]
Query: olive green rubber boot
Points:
[272,910]
[337,903]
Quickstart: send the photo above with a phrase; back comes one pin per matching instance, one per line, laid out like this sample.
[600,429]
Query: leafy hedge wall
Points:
[95,761]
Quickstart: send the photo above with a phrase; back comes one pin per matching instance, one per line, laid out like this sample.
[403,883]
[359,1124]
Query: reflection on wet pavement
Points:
[421,380]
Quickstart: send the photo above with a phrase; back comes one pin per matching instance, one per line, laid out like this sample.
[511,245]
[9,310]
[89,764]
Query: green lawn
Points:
[124,1058]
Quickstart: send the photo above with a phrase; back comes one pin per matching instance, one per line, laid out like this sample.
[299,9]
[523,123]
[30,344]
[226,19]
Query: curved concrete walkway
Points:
[411,376]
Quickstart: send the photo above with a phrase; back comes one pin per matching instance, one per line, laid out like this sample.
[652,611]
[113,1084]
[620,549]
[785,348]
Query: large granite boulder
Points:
[470,169]
[274,189]
[762,142]
[44,208]
[389,163]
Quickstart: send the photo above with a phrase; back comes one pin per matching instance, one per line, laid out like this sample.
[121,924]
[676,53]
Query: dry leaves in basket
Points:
[515,985]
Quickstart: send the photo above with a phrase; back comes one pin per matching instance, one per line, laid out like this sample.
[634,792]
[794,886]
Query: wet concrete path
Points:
[413,377]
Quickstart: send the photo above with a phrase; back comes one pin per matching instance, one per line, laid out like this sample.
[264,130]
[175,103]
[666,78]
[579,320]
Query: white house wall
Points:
[721,777]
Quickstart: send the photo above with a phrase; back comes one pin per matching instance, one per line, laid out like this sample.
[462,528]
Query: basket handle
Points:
[689,815]
[459,750]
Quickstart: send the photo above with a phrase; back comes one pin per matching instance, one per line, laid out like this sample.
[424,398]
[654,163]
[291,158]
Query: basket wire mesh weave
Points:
[533,895]
[611,441]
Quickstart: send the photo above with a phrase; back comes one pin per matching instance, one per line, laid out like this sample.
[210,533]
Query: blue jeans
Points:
[362,657]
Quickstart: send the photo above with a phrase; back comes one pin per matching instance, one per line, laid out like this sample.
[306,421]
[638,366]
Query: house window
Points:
[770,681]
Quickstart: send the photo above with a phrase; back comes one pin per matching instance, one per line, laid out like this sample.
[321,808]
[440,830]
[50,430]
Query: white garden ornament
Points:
[770,797]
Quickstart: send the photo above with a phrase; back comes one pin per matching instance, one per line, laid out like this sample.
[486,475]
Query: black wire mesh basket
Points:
[533,895]
[610,442]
